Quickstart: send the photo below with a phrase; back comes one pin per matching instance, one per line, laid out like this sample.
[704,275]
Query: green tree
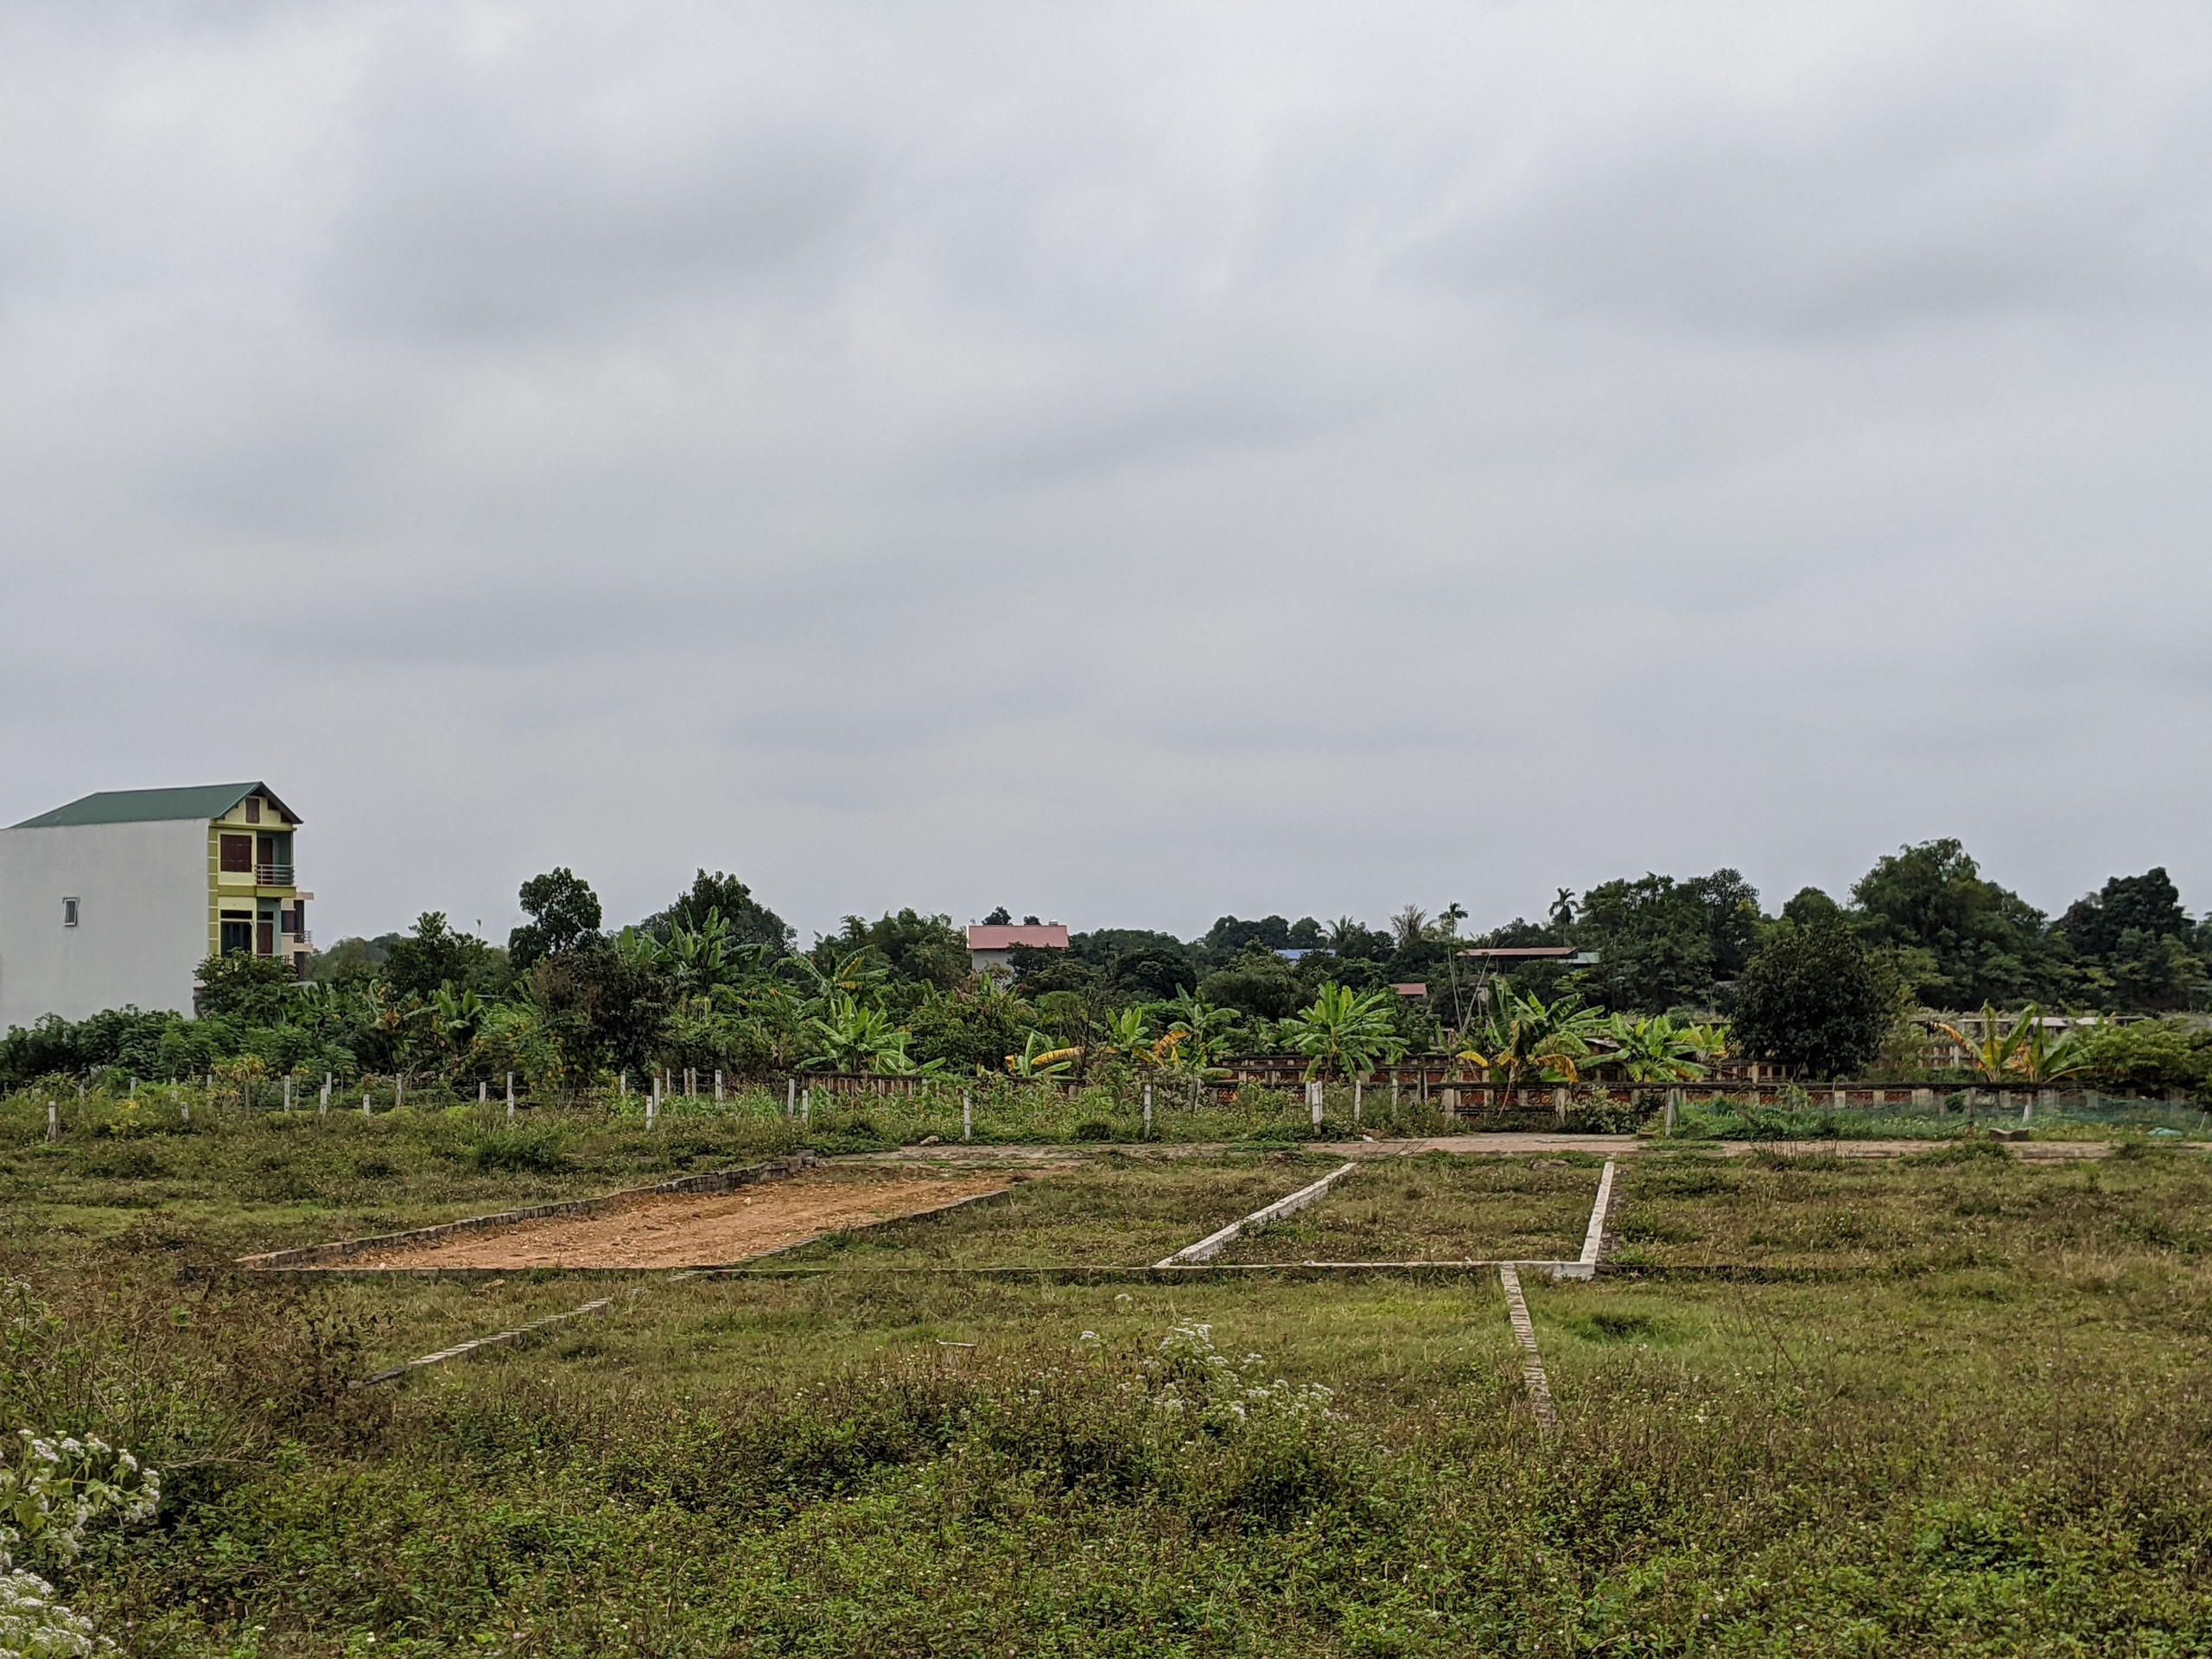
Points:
[1814,998]
[433,954]
[1663,943]
[748,920]
[1257,983]
[251,990]
[1960,940]
[2138,945]
[563,913]
[917,949]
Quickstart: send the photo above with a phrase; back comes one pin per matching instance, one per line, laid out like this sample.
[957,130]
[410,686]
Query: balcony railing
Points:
[273,875]
[300,939]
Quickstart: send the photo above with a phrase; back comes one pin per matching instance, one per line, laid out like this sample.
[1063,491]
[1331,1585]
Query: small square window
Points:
[68,912]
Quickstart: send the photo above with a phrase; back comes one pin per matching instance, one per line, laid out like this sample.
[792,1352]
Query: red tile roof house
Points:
[992,948]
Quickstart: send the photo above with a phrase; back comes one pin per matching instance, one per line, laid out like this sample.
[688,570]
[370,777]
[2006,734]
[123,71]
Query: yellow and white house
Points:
[115,899]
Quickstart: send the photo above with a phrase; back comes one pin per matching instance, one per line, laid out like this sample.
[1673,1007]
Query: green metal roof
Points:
[208,801]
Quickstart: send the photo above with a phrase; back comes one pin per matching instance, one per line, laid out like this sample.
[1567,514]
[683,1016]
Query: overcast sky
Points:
[1130,463]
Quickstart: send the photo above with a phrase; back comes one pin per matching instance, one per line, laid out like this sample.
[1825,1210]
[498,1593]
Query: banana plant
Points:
[850,1036]
[1527,1037]
[1038,1059]
[2024,1050]
[856,974]
[1196,1033]
[1651,1049]
[1346,1032]
[1129,1033]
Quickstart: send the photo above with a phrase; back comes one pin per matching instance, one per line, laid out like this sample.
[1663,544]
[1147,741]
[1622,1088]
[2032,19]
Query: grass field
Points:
[1953,1404]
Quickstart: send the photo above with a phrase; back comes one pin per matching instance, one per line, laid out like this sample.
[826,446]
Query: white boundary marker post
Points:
[1214,1244]
[1148,1111]
[967,1115]
[1532,1363]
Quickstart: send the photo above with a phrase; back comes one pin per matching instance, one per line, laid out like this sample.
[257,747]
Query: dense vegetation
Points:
[716,982]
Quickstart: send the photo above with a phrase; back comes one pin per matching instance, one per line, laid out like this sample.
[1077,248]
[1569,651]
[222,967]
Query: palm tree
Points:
[1410,925]
[1346,1032]
[1527,1037]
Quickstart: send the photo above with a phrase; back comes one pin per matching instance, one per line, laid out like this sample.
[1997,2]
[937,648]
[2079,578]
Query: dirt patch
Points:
[683,1231]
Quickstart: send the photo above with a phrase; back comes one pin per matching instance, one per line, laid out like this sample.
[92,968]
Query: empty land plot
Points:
[1966,1204]
[1114,1211]
[1438,1207]
[693,1231]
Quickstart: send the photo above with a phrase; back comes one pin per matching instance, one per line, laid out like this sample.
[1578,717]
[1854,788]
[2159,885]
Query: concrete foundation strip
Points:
[1214,1244]
[1532,1363]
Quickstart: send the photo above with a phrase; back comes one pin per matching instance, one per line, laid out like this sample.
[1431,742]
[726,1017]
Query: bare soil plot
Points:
[1947,1206]
[1112,1210]
[696,1231]
[1438,1207]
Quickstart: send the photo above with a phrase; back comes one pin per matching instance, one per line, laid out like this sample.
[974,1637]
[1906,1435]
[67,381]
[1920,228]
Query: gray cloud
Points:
[1132,464]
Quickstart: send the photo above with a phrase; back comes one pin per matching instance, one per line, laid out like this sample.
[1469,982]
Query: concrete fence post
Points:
[510,1098]
[1559,1104]
[1148,1111]
[1674,1101]
[322,1102]
[806,1107]
[790,1096]
[364,1103]
[1313,1100]
[653,1101]
[967,1115]
[53,1120]
[718,1083]
[483,1091]
[399,1091]
[1355,1101]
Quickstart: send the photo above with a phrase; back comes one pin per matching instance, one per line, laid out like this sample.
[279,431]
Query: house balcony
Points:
[273,875]
[299,941]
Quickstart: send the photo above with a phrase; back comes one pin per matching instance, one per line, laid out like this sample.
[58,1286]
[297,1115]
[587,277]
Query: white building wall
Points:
[141,919]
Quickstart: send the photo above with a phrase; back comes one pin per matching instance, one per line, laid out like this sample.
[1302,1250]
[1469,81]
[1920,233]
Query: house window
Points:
[68,912]
[237,933]
[253,809]
[237,854]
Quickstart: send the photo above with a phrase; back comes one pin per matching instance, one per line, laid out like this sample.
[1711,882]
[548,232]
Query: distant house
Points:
[117,898]
[1412,990]
[992,946]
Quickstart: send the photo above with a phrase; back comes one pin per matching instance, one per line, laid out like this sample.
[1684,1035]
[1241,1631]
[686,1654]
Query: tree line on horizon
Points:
[1671,970]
